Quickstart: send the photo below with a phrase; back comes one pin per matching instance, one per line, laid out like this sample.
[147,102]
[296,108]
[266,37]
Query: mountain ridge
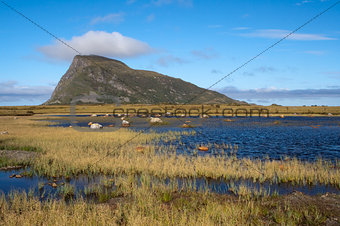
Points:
[95,79]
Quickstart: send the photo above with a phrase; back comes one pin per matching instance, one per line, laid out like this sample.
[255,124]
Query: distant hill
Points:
[92,78]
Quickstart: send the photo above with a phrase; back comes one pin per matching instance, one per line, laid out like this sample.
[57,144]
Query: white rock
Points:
[4,132]
[93,115]
[96,126]
[125,123]
[155,120]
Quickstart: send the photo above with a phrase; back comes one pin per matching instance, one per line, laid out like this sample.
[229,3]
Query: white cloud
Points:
[161,2]
[315,52]
[265,69]
[11,91]
[113,45]
[303,2]
[115,18]
[278,33]
[308,1]
[150,18]
[185,3]
[215,71]
[206,54]
[240,28]
[215,26]
[130,1]
[332,74]
[279,93]
[169,59]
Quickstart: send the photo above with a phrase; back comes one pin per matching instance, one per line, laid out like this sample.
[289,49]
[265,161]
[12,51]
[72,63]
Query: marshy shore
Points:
[57,152]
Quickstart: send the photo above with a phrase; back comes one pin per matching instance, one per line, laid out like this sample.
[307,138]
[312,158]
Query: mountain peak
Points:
[90,77]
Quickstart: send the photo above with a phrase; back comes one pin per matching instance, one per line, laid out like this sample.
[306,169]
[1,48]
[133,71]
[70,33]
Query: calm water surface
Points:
[306,138]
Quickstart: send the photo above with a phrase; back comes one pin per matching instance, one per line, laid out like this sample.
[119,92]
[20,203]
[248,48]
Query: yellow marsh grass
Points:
[67,152]
[146,205]
[144,208]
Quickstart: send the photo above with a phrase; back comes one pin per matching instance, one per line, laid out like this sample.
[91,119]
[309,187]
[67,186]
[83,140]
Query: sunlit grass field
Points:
[66,152]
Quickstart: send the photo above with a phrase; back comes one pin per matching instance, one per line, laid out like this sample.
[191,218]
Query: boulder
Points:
[156,120]
[96,126]
[125,123]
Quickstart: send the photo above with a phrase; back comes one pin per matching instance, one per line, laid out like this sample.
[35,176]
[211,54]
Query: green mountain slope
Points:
[96,79]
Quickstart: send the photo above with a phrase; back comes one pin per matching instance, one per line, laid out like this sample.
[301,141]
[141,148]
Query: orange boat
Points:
[203,148]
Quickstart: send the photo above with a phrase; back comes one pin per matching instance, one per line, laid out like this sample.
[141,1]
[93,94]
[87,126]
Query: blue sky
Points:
[197,41]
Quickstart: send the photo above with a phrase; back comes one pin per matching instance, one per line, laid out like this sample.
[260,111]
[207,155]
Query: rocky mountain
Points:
[95,79]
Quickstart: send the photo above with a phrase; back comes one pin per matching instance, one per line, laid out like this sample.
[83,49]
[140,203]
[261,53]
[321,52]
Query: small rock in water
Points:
[96,126]
[18,176]
[54,185]
[155,120]
[13,175]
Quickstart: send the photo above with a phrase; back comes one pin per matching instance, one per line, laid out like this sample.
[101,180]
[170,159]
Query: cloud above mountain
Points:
[279,33]
[102,43]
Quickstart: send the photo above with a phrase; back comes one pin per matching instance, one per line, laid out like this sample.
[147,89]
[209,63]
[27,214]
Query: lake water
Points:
[306,138]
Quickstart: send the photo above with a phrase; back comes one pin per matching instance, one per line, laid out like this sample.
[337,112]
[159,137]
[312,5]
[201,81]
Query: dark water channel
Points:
[76,186]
